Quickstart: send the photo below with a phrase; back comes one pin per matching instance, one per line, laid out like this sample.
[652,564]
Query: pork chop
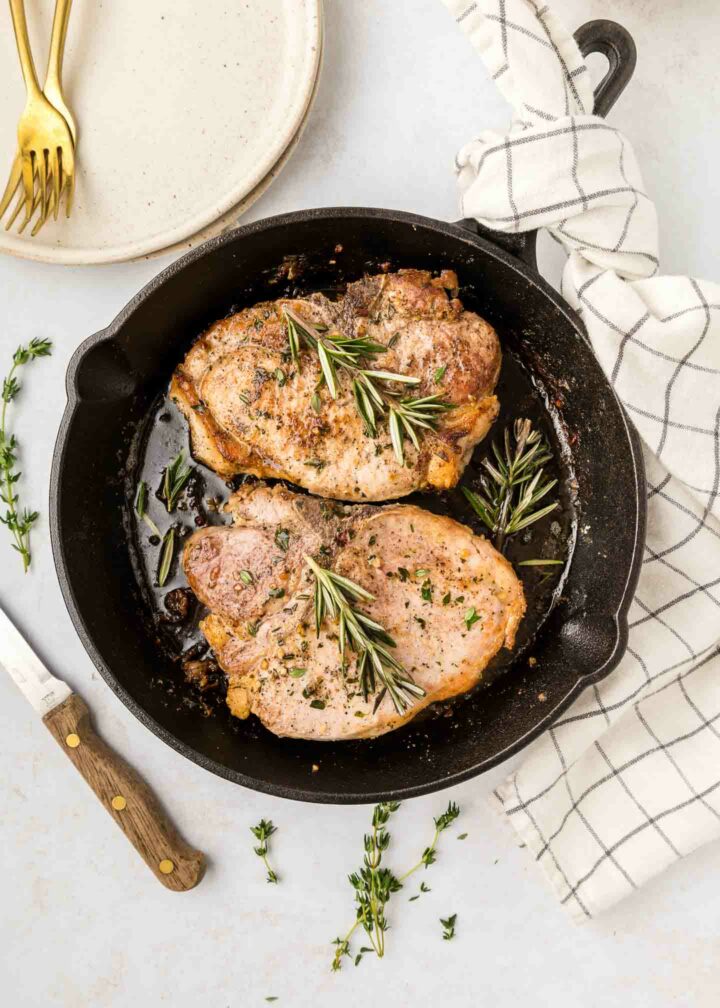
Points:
[250,409]
[448,599]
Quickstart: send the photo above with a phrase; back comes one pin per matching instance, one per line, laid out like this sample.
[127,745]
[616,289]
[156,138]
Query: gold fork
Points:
[45,142]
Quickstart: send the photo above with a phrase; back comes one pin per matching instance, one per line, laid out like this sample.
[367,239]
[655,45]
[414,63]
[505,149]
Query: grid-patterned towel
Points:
[629,780]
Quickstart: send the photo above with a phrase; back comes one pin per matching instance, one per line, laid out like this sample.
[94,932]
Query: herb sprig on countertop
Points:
[374,884]
[374,391]
[513,484]
[448,926]
[262,832]
[16,521]
[335,597]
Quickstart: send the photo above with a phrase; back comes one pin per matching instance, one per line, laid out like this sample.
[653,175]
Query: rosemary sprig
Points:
[375,392]
[176,476]
[513,484]
[166,556]
[262,832]
[335,597]
[374,884]
[541,563]
[18,523]
[141,499]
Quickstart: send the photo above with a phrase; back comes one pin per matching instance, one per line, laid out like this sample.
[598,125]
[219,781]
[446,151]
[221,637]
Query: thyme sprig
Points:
[513,484]
[17,522]
[375,391]
[335,597]
[262,832]
[448,926]
[176,476]
[374,884]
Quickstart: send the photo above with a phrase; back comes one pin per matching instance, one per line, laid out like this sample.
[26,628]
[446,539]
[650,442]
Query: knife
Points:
[122,792]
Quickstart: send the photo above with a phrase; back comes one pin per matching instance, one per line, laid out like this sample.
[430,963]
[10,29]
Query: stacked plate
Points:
[187,111]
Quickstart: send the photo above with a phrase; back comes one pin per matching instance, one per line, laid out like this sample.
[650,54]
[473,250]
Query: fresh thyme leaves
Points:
[374,884]
[335,597]
[166,556]
[471,617]
[423,889]
[262,832]
[280,376]
[375,392]
[176,476]
[252,628]
[448,924]
[513,484]
[442,822]
[461,836]
[440,373]
[18,523]
[141,500]
[246,577]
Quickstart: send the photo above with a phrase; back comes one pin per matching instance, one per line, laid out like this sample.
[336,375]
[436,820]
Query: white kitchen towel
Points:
[628,780]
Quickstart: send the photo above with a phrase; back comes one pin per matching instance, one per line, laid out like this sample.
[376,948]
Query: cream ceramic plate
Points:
[231,219]
[184,109]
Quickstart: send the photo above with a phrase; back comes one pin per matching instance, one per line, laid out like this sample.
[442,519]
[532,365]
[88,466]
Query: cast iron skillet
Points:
[116,374]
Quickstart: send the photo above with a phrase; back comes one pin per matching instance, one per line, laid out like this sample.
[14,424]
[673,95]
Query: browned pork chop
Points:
[250,410]
[446,596]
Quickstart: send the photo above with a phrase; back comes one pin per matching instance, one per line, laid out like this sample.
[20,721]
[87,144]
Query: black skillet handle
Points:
[614,42]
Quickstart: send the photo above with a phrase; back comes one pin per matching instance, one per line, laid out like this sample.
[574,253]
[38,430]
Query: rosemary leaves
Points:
[375,392]
[17,522]
[262,832]
[335,597]
[176,476]
[167,554]
[141,499]
[513,484]
[374,884]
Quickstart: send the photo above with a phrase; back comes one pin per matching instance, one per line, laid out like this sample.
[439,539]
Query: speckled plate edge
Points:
[238,200]
[231,219]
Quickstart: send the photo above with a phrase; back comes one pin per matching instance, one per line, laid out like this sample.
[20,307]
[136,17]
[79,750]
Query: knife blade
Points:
[39,687]
[123,793]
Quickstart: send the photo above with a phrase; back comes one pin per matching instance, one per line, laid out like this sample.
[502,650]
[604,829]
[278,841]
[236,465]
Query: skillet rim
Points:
[453,230]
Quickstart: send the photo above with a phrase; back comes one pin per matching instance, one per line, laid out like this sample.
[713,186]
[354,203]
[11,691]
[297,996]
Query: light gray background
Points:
[83,924]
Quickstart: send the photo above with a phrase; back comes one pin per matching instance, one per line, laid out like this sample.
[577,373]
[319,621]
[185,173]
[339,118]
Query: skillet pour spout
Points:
[114,381]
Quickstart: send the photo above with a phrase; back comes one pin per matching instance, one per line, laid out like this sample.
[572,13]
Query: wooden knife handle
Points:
[126,797]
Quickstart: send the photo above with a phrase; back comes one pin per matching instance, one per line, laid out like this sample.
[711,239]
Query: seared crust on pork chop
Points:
[250,408]
[426,572]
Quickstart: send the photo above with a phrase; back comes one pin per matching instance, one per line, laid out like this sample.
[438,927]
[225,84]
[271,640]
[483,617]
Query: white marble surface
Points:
[82,922]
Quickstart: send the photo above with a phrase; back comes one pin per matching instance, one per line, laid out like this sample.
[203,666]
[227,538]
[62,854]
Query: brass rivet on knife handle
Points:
[177,865]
